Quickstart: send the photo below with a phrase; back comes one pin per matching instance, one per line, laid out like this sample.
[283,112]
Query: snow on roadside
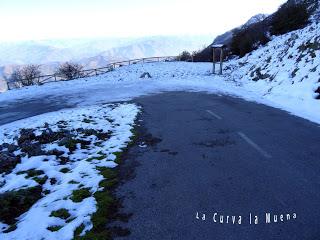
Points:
[62,165]
[284,74]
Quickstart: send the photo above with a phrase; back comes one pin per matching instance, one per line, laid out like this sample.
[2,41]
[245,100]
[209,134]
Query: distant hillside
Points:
[92,53]
[48,51]
[149,47]
[30,52]
[258,30]
[226,38]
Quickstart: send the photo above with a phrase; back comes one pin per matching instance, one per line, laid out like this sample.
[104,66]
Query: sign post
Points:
[220,47]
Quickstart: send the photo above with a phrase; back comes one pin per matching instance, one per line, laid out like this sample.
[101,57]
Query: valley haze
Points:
[93,53]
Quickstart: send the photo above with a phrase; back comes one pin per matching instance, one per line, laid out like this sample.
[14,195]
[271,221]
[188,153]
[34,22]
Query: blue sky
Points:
[54,19]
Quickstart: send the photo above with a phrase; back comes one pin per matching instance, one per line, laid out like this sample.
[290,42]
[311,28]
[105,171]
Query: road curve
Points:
[218,157]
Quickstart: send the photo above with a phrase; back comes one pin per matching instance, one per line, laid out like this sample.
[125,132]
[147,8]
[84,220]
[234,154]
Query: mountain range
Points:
[92,53]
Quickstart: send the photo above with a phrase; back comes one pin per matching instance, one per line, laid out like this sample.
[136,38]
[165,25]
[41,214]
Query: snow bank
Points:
[78,170]
[286,72]
[283,74]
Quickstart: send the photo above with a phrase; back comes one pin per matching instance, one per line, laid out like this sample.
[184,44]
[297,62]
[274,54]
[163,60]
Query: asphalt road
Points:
[24,108]
[227,156]
[217,154]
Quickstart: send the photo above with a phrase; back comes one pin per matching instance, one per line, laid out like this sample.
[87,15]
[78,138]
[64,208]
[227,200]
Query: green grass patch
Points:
[69,143]
[86,120]
[108,173]
[73,182]
[101,157]
[80,194]
[46,192]
[54,228]
[65,170]
[107,204]
[118,157]
[32,173]
[111,177]
[40,180]
[70,220]
[78,231]
[109,183]
[100,218]
[61,213]
[15,203]
[91,159]
[11,228]
[98,144]
[103,136]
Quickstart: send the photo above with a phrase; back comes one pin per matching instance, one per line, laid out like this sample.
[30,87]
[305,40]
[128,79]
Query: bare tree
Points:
[16,78]
[26,76]
[31,74]
[69,71]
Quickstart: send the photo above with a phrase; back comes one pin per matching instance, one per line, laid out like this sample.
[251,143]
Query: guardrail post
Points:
[213,61]
[221,60]
[8,86]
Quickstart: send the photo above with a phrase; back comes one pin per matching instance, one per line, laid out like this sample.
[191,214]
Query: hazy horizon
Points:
[38,20]
[93,38]
[93,52]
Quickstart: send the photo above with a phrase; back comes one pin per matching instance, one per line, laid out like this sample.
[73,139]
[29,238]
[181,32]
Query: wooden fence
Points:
[93,72]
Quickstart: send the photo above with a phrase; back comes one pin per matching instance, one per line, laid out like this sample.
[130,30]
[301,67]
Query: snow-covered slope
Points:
[286,69]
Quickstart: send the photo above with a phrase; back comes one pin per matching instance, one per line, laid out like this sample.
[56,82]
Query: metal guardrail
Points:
[94,71]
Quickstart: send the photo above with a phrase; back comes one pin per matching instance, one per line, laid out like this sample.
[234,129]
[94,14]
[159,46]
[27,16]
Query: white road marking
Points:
[215,115]
[254,145]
